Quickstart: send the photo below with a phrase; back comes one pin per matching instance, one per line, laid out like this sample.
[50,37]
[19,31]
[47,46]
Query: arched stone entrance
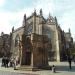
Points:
[26,50]
[28,58]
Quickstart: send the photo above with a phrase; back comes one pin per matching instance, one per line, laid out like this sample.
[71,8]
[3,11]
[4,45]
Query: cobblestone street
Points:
[62,68]
[13,73]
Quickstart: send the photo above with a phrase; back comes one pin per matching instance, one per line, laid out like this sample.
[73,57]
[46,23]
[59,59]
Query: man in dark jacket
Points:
[69,60]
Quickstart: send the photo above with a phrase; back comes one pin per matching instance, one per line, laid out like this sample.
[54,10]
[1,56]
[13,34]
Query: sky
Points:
[12,12]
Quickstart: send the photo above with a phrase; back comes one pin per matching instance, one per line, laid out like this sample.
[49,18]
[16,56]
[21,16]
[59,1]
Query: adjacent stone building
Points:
[69,43]
[38,40]
[5,45]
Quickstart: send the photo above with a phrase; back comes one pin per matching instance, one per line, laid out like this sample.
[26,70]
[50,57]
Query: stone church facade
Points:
[38,40]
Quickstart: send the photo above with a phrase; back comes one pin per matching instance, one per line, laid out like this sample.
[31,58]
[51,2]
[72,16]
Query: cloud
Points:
[9,19]
[57,8]
[64,10]
[2,2]
[68,21]
[46,5]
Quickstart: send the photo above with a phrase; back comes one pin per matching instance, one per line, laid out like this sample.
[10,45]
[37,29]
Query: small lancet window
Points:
[17,39]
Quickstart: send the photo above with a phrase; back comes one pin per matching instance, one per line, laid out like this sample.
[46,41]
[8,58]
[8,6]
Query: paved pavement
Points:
[14,73]
[11,71]
[62,68]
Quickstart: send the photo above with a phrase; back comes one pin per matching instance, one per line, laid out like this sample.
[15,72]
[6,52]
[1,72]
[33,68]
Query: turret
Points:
[34,21]
[56,21]
[69,30]
[41,22]
[24,20]
[49,16]
[41,16]
[2,33]
[49,20]
[12,28]
[34,12]
[41,12]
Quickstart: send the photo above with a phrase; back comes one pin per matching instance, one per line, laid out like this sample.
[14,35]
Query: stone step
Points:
[28,68]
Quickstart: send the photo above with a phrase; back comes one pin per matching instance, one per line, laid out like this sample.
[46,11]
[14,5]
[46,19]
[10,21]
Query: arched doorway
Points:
[27,58]
[26,53]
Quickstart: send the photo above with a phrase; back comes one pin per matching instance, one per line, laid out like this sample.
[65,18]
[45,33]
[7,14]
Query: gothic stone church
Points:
[36,41]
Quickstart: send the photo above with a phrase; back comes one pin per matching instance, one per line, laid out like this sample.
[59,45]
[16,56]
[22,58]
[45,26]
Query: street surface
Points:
[11,71]
[62,68]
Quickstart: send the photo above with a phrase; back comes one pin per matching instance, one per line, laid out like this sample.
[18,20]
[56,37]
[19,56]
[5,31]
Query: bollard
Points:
[53,69]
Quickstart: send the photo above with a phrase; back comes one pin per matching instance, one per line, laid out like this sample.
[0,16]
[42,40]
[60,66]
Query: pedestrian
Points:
[7,61]
[4,61]
[53,69]
[11,62]
[14,64]
[69,60]
[74,59]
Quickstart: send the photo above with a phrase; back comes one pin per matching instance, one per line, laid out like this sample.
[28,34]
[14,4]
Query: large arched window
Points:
[17,39]
[46,31]
[29,29]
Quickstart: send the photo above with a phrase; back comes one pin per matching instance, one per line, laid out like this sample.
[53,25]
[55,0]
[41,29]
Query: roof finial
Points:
[49,15]
[2,33]
[56,21]
[12,28]
[25,16]
[34,11]
[69,30]
[40,12]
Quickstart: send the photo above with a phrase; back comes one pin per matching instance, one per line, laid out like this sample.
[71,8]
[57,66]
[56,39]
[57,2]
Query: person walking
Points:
[69,60]
[3,61]
[14,64]
[7,61]
[74,59]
